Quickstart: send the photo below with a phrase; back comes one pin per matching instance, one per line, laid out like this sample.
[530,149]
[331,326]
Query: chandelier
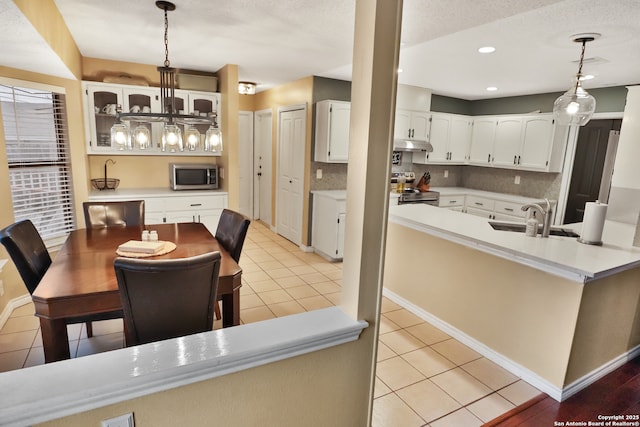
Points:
[172,135]
[576,106]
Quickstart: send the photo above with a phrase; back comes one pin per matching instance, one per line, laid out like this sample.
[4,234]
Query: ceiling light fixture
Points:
[246,88]
[487,49]
[576,106]
[172,141]
[492,88]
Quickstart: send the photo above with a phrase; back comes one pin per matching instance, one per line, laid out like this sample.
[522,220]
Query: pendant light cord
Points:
[166,39]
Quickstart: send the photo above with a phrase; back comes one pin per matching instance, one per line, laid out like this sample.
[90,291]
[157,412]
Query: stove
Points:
[415,196]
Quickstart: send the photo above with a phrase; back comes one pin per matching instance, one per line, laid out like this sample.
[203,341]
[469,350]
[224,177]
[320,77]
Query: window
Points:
[35,131]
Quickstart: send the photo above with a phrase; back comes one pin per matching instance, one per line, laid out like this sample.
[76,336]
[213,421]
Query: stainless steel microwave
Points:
[193,176]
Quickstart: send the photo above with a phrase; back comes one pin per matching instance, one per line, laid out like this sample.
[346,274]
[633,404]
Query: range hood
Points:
[414,145]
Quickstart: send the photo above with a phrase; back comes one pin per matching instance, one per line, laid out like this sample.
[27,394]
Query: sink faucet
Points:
[545,214]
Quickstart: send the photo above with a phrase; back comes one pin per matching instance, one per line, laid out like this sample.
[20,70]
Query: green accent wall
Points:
[337,90]
[446,104]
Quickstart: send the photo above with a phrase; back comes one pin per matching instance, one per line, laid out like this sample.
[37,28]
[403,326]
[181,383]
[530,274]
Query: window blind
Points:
[36,141]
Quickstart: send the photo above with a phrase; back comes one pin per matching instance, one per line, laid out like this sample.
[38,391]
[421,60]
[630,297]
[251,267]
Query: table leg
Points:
[231,309]
[54,339]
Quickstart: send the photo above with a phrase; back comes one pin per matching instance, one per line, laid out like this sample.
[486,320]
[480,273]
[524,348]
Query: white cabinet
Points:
[327,228]
[543,144]
[506,144]
[412,124]
[101,99]
[454,203]
[332,131]
[482,137]
[450,137]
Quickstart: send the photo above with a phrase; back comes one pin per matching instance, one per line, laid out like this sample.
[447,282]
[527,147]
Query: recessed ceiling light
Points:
[400,70]
[492,88]
[487,49]
[587,77]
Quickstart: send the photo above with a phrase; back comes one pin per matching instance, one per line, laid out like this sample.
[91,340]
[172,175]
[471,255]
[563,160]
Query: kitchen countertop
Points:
[121,193]
[562,256]
[334,194]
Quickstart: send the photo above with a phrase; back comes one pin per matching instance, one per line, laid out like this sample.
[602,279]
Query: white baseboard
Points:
[304,248]
[516,369]
[12,305]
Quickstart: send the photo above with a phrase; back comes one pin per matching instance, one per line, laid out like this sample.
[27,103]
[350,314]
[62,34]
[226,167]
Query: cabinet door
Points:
[510,218]
[340,241]
[506,147]
[138,100]
[482,137]
[101,113]
[420,124]
[339,118]
[210,219]
[439,138]
[459,139]
[536,142]
[402,124]
[479,212]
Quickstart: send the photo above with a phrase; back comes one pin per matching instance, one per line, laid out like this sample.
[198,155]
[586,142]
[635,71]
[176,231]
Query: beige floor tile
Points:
[291,262]
[24,310]
[303,269]
[255,276]
[257,237]
[403,318]
[315,303]
[274,297]
[326,287]
[270,265]
[265,285]
[335,298]
[396,373]
[107,327]
[427,333]
[333,275]
[246,289]
[380,389]
[256,314]
[35,357]
[290,282]
[461,386]
[13,360]
[401,341]
[489,373]
[428,361]
[325,267]
[100,344]
[249,267]
[455,351]
[519,392]
[313,278]
[304,291]
[74,332]
[250,301]
[460,418]
[391,411]
[387,325]
[428,400]
[17,341]
[20,324]
[280,272]
[384,352]
[286,308]
[388,305]
[490,407]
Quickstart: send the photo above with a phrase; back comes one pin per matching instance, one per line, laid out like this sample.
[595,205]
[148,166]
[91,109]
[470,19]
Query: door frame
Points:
[267,169]
[250,186]
[281,110]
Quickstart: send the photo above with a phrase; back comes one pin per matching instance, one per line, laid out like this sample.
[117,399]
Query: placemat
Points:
[168,247]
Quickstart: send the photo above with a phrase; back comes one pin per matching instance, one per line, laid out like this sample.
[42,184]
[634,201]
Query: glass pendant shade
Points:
[142,137]
[172,138]
[574,107]
[120,137]
[213,140]
[192,138]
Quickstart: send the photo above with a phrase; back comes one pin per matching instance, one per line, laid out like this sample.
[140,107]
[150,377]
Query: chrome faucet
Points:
[546,214]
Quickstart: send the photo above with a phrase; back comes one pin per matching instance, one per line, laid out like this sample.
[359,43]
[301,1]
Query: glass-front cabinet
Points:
[103,99]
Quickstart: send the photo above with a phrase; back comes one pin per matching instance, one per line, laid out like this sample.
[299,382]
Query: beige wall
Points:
[96,69]
[228,87]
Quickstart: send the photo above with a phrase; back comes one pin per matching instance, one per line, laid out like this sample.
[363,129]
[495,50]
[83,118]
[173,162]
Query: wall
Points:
[446,104]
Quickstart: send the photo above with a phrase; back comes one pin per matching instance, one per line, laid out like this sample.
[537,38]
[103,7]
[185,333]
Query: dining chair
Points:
[113,214]
[29,253]
[230,233]
[167,298]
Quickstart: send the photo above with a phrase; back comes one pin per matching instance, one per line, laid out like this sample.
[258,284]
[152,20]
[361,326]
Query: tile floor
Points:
[424,377]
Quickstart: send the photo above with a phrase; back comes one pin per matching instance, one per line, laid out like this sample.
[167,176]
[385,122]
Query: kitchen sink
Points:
[520,228]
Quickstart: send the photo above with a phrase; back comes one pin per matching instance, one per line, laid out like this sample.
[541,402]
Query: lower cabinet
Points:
[327,228]
[453,203]
[485,207]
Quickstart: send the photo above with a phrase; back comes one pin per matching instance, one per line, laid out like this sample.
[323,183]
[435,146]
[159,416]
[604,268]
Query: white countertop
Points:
[333,194]
[455,191]
[562,256]
[122,193]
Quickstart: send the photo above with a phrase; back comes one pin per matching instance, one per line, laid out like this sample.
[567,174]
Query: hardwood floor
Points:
[616,394]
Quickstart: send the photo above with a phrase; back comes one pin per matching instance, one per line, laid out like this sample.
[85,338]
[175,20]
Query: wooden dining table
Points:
[81,279]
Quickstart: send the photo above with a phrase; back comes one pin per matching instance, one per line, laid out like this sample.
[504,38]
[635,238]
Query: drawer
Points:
[450,201]
[480,203]
[195,203]
[154,204]
[509,208]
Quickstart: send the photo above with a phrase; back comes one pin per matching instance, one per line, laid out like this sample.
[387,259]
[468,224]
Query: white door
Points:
[291,148]
[245,146]
[262,163]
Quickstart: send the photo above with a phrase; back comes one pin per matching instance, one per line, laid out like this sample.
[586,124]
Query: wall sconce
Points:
[246,88]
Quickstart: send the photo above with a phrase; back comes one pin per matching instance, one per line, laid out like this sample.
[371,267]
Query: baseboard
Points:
[304,248]
[12,305]
[516,369]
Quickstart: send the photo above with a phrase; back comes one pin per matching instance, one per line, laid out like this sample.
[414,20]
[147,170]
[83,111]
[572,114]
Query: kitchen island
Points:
[553,311]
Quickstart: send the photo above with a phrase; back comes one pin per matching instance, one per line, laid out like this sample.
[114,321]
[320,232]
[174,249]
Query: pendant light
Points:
[576,106]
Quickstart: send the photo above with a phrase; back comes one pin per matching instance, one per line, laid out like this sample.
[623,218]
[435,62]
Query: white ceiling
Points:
[277,41]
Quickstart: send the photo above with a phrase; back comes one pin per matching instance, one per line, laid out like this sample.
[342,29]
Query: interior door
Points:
[245,170]
[291,148]
[262,163]
[591,151]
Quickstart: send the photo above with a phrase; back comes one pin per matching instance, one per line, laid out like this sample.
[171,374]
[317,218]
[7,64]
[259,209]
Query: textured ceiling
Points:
[274,42]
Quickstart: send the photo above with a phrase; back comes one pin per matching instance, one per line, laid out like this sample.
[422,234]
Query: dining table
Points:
[81,279]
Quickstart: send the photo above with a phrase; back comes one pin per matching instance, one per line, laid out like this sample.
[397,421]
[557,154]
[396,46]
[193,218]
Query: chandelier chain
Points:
[166,39]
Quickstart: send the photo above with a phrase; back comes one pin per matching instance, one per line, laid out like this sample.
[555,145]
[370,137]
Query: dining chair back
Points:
[113,214]
[27,250]
[231,232]
[167,298]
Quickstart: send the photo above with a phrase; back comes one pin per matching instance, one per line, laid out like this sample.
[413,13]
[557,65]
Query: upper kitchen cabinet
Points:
[412,124]
[506,143]
[332,131]
[450,136]
[102,99]
[543,144]
[482,138]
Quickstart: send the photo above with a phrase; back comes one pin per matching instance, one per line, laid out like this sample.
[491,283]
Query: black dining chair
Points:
[164,299]
[230,233]
[113,214]
[29,253]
